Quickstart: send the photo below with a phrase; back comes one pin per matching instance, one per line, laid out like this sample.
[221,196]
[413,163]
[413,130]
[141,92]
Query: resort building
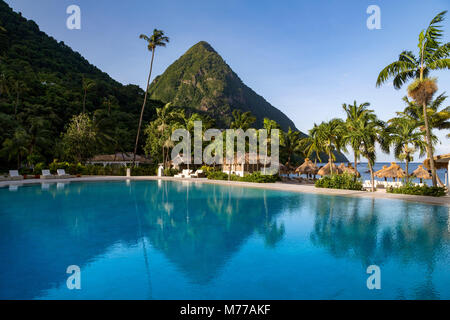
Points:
[441,162]
[121,159]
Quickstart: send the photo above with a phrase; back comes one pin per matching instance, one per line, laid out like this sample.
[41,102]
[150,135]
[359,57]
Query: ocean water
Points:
[172,240]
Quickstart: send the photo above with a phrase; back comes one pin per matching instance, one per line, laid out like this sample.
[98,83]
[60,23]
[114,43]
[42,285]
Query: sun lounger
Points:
[47,175]
[198,174]
[62,173]
[186,173]
[14,175]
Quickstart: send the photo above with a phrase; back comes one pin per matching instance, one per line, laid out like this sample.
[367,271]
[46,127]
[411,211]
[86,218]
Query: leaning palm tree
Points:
[355,113]
[433,55]
[157,39]
[406,138]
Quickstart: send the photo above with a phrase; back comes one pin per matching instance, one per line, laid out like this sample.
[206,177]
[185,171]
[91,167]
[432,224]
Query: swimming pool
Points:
[188,240]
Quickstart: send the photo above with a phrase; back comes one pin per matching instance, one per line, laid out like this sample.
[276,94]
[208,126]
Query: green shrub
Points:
[258,177]
[418,190]
[339,181]
[170,172]
[216,175]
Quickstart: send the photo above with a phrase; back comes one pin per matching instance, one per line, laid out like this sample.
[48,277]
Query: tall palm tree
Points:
[87,84]
[331,136]
[355,113]
[369,132]
[405,137]
[157,39]
[433,55]
[165,117]
[291,144]
[312,144]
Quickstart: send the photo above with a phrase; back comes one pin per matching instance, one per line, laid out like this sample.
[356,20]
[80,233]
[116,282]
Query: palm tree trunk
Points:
[356,166]
[84,101]
[429,146]
[407,167]
[143,107]
[372,178]
[330,161]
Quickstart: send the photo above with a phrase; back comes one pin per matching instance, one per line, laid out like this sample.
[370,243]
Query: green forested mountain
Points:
[41,88]
[201,79]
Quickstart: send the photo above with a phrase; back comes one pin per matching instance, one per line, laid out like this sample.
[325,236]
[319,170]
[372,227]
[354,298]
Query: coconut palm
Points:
[291,144]
[157,39]
[438,115]
[165,116]
[355,113]
[312,144]
[331,136]
[369,132]
[406,138]
[433,55]
[242,120]
[87,84]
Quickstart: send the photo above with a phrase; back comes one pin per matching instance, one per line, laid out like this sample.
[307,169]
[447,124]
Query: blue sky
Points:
[305,57]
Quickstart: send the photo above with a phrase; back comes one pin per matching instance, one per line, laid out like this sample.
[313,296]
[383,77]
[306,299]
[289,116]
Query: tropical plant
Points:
[79,141]
[330,135]
[242,120]
[312,144]
[292,144]
[157,39]
[406,138]
[87,84]
[433,55]
[355,113]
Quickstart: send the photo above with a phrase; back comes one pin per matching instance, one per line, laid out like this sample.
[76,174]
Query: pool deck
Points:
[282,186]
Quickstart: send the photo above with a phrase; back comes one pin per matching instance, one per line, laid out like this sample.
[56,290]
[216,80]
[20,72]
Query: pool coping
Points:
[280,186]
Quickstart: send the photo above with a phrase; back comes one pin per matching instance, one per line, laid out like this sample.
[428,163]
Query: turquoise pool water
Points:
[167,240]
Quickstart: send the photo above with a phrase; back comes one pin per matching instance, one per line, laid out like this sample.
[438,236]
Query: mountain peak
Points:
[201,80]
[202,45]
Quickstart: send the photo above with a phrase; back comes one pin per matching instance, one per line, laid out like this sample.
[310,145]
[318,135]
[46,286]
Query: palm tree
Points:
[87,84]
[242,120]
[157,39]
[404,132]
[331,136]
[291,144]
[432,56]
[165,116]
[438,118]
[355,113]
[369,132]
[269,125]
[312,144]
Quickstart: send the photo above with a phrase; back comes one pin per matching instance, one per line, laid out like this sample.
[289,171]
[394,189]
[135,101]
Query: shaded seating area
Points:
[349,169]
[328,169]
[421,174]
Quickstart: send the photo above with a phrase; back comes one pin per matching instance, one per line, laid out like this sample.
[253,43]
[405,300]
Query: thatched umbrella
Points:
[421,173]
[349,169]
[325,171]
[308,167]
[394,171]
[378,174]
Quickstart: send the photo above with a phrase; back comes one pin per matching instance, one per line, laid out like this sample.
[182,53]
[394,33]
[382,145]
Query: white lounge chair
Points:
[186,173]
[14,175]
[47,175]
[62,173]
[198,174]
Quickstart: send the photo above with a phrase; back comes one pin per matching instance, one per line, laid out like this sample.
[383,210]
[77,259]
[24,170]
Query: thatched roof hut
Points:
[119,158]
[378,173]
[394,171]
[441,162]
[421,173]
[308,167]
[325,171]
[349,169]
